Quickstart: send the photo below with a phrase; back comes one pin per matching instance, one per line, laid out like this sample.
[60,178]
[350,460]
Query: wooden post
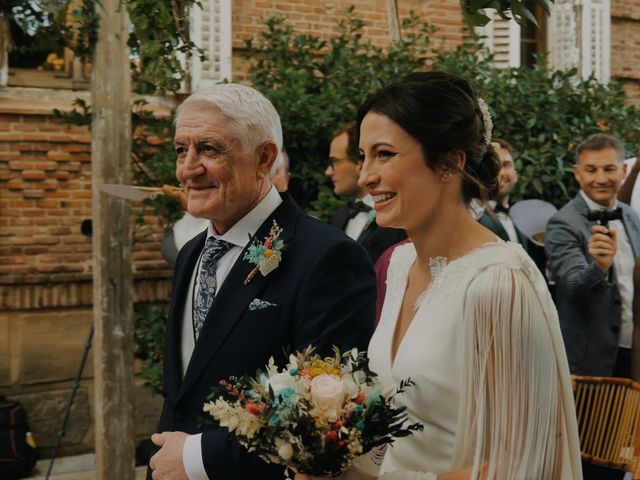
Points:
[394,21]
[112,247]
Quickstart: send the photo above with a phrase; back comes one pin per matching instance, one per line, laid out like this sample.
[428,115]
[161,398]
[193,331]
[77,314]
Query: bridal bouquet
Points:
[315,416]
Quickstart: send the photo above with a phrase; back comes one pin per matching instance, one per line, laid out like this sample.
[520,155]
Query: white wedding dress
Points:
[492,383]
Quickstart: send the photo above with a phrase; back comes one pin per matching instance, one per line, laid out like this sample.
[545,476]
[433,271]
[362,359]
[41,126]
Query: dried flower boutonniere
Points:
[265,256]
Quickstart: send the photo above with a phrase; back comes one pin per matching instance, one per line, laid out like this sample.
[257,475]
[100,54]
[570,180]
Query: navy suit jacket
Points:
[323,293]
[589,304]
[373,238]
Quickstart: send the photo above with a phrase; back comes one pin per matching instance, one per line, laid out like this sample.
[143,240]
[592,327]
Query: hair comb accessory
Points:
[487,123]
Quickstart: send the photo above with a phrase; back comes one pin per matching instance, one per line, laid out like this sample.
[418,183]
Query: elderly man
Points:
[357,217]
[592,243]
[227,317]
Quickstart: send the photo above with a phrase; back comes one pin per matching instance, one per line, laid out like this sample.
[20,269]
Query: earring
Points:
[446,176]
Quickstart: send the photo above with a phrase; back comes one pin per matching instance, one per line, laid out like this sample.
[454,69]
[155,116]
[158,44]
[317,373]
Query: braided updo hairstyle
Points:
[442,112]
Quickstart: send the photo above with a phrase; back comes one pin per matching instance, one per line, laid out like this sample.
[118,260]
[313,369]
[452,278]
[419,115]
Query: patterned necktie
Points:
[214,249]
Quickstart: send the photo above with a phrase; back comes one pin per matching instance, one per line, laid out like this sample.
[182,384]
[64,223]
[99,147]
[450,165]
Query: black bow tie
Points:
[356,207]
[603,217]
[501,208]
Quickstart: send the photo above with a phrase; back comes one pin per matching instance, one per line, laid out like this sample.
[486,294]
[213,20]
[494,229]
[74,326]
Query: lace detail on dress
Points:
[437,266]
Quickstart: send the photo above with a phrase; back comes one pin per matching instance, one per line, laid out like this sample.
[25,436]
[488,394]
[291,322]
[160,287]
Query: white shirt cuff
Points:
[192,458]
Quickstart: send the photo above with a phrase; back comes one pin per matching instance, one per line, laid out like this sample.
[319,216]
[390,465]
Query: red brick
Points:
[34,174]
[59,156]
[46,240]
[62,175]
[16,185]
[9,156]
[33,193]
[21,127]
[48,203]
[6,175]
[46,166]
[21,165]
[49,184]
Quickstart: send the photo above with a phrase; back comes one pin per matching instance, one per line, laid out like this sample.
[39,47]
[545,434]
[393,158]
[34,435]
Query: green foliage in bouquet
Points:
[315,416]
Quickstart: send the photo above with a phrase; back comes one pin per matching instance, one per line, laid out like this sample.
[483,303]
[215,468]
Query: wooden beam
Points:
[112,247]
[394,21]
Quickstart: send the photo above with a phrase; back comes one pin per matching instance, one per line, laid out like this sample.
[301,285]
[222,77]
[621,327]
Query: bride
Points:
[467,316]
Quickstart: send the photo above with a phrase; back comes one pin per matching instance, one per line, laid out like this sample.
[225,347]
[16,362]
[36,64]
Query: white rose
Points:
[327,392]
[280,381]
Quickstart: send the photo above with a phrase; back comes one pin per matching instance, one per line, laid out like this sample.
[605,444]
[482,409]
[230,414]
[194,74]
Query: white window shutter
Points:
[502,38]
[210,29]
[596,39]
[580,37]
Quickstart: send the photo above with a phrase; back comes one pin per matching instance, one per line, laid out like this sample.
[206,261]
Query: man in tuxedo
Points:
[227,319]
[498,219]
[593,262]
[357,217]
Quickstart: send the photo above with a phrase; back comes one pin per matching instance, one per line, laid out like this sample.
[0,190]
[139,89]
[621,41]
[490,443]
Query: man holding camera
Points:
[592,244]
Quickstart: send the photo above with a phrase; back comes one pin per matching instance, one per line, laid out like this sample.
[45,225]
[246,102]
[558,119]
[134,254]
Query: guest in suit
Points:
[593,263]
[227,318]
[498,219]
[357,217]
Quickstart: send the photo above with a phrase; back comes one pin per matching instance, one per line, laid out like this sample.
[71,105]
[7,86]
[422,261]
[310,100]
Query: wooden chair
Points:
[608,412]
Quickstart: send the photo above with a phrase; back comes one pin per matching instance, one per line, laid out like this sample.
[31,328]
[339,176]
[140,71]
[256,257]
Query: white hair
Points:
[252,116]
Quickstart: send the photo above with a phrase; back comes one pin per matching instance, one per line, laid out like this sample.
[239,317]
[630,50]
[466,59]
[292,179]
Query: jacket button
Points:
[179,416]
[615,329]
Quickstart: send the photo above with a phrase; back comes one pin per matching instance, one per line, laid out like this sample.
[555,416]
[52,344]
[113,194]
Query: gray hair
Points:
[252,116]
[600,141]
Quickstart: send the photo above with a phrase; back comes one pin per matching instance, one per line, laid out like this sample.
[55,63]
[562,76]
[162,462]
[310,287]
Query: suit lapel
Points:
[234,297]
[367,232]
[633,232]
[341,217]
[172,370]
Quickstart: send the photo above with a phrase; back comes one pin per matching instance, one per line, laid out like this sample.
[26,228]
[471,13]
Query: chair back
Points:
[608,411]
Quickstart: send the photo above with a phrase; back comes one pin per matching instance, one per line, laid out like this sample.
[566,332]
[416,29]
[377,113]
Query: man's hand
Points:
[603,245]
[167,463]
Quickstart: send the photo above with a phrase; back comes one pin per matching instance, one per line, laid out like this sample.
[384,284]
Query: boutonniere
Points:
[266,256]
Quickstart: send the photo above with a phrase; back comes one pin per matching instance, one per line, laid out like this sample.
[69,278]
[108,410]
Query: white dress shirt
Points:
[356,225]
[239,236]
[623,262]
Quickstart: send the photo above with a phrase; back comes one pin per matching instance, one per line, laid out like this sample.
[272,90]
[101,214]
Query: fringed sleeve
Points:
[516,413]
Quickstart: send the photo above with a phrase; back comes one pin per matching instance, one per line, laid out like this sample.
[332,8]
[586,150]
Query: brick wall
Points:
[625,41]
[45,180]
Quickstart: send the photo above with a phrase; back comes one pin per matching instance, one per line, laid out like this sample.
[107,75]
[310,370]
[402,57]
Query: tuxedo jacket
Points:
[589,303]
[373,238]
[322,293]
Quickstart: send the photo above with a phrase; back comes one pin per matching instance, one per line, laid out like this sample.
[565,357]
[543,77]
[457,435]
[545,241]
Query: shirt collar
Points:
[595,205]
[247,226]
[368,200]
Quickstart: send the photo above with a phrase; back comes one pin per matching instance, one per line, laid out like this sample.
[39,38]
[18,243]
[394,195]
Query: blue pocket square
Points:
[257,304]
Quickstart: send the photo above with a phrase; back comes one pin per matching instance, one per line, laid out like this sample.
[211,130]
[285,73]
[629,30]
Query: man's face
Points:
[600,174]
[508,174]
[222,182]
[342,170]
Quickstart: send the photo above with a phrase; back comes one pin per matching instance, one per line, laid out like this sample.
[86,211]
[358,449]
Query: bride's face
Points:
[406,192]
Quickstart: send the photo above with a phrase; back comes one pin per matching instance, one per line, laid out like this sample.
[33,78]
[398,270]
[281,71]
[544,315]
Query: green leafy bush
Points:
[545,114]
[149,341]
[316,85]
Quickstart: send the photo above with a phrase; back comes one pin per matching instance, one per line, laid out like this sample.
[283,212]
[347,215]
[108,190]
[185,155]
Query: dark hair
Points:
[441,111]
[600,141]
[504,144]
[353,152]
